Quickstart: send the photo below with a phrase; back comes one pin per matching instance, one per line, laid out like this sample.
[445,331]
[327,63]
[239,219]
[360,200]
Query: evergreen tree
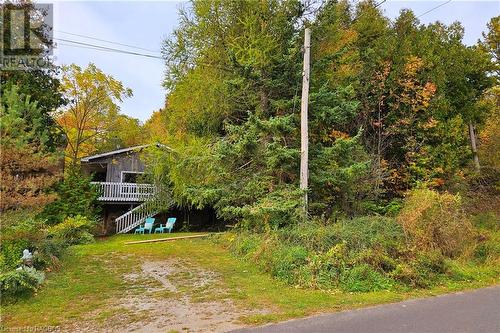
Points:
[390,105]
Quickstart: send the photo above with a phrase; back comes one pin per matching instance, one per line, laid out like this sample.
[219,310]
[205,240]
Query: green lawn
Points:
[92,278]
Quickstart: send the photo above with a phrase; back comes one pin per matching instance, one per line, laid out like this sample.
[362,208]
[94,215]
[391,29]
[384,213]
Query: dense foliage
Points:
[76,196]
[29,165]
[19,283]
[390,108]
[434,221]
[395,107]
[37,84]
[378,253]
[92,112]
[22,230]
[31,140]
[74,230]
[31,175]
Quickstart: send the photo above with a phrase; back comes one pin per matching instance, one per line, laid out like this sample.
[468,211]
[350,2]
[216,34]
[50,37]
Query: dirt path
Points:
[171,295]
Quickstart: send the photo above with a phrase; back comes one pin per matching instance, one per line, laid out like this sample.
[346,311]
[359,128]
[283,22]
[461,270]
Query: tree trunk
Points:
[473,145]
[378,180]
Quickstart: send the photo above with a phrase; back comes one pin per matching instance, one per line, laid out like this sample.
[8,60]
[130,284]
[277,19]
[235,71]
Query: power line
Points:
[381,2]
[104,48]
[433,8]
[85,47]
[363,13]
[106,41]
[109,49]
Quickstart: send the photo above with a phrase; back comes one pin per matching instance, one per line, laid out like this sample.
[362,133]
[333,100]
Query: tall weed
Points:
[370,253]
[433,221]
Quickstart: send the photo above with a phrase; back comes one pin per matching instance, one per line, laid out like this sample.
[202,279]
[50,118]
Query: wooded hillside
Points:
[394,105]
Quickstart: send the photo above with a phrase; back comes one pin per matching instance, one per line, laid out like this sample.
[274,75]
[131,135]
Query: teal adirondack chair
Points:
[168,226]
[147,226]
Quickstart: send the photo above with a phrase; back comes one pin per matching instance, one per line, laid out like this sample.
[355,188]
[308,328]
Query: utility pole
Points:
[304,135]
[473,145]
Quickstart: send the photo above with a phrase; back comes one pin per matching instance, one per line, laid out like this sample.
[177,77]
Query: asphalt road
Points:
[472,311]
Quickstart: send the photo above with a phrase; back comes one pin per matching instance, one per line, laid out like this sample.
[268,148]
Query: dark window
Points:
[99,176]
[130,177]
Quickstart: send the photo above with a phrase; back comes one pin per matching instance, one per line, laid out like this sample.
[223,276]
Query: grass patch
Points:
[92,278]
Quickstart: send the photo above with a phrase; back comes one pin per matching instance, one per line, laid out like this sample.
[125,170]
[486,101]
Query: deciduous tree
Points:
[92,108]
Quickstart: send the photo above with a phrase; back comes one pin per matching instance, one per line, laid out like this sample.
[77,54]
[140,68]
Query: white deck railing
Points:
[129,192]
[133,218]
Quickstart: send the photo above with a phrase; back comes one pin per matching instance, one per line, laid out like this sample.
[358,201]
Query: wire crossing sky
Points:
[124,38]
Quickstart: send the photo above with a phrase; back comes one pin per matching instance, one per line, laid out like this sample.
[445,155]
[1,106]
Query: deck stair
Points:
[134,217]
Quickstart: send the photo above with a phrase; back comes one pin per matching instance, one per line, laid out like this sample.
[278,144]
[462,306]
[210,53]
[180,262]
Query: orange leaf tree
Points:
[90,115]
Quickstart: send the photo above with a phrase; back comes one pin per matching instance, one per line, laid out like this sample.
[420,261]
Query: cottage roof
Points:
[121,151]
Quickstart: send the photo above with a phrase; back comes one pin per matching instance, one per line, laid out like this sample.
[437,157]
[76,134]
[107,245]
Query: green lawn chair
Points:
[148,226]
[168,226]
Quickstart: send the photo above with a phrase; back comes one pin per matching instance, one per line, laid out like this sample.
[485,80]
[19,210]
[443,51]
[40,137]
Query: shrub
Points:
[270,212]
[76,196]
[361,254]
[430,264]
[433,221]
[408,276]
[377,258]
[47,253]
[11,252]
[358,233]
[390,208]
[19,283]
[246,244]
[283,261]
[27,228]
[25,232]
[323,270]
[422,271]
[487,221]
[318,255]
[20,232]
[368,231]
[313,235]
[74,230]
[488,251]
[364,278]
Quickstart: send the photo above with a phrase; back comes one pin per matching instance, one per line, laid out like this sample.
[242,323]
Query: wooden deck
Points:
[124,192]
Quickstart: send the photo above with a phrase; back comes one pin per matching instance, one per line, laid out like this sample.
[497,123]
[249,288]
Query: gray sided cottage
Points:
[117,174]
[118,166]
[125,198]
